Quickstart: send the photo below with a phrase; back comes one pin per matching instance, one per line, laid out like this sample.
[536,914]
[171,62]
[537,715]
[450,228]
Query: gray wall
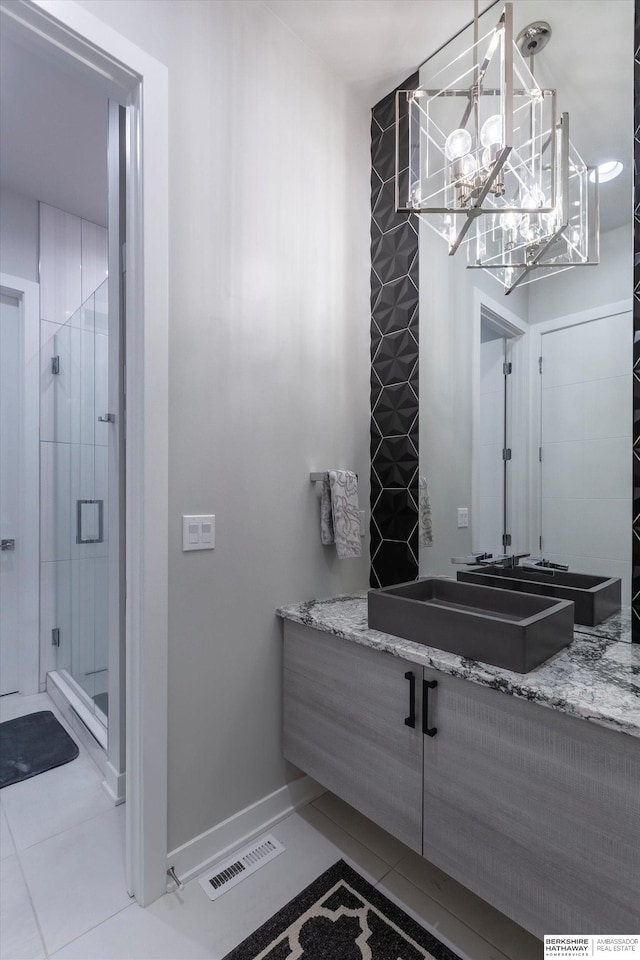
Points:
[269,370]
[18,235]
[581,289]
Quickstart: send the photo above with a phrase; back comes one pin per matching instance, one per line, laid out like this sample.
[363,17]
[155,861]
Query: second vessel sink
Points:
[513,630]
[596,598]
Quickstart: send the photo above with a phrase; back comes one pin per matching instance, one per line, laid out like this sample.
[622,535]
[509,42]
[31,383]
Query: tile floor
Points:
[63,890]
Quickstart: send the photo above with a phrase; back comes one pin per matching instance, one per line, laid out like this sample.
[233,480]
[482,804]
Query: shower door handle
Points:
[82,506]
[107,418]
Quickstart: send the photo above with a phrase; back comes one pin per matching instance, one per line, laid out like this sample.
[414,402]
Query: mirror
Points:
[541,454]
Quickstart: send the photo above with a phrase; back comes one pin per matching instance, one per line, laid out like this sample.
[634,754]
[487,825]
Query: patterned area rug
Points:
[340,916]
[31,744]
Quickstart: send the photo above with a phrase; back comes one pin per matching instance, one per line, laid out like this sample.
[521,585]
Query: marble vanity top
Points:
[595,678]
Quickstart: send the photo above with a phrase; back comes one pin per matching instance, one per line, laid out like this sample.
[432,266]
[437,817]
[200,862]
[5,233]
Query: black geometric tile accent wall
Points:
[635,603]
[394,361]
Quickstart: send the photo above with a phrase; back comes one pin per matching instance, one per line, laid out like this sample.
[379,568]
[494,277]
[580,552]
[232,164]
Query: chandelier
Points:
[482,158]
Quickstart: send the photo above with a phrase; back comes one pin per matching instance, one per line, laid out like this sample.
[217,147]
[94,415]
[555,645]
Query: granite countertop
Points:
[595,678]
[617,627]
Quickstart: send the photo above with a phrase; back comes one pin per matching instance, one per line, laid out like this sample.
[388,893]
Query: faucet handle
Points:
[473,559]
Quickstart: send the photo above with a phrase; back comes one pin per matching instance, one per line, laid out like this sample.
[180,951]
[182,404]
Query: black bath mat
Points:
[31,744]
[333,918]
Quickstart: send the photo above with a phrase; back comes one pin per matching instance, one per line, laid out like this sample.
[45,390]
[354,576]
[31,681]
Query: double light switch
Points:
[199,533]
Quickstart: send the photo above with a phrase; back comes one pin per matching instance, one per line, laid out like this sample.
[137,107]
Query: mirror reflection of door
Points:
[497,446]
[9,493]
[585,439]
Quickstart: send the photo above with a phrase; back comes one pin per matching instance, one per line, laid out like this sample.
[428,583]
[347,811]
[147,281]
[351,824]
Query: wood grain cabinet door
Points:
[344,724]
[535,811]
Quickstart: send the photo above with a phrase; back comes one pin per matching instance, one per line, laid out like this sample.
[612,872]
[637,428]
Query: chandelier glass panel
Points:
[485,161]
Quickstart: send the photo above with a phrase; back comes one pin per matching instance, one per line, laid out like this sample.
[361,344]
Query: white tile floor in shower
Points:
[62,886]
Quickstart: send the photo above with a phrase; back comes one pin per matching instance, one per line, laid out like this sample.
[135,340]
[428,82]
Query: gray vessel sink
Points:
[513,630]
[596,598]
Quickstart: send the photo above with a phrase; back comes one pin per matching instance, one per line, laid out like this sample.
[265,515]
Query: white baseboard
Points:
[190,859]
[115,785]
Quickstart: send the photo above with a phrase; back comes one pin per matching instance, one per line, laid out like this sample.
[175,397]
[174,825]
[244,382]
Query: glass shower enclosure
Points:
[78,518]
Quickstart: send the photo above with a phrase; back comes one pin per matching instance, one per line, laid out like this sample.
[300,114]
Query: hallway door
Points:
[585,438]
[9,494]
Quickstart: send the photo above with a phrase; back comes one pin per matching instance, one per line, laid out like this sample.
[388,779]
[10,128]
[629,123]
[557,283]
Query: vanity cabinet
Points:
[535,811]
[344,724]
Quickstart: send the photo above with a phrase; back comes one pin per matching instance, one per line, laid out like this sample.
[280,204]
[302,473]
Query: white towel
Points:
[345,513]
[326,520]
[425,521]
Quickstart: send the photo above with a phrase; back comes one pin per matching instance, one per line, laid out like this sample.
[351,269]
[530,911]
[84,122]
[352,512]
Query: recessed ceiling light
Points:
[607,171]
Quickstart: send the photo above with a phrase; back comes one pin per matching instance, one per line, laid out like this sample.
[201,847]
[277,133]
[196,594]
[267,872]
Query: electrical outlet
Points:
[463,516]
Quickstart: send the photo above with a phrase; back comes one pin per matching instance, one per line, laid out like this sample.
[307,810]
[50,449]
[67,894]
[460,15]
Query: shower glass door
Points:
[81,388]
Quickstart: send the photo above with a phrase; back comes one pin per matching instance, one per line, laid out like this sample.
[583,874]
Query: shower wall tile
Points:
[101,388]
[88,482]
[101,613]
[394,362]
[56,521]
[635,588]
[95,255]
[67,405]
[101,311]
[89,618]
[84,400]
[73,263]
[55,611]
[60,264]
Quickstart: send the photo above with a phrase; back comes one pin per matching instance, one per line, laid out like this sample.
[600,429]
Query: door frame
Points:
[27,293]
[516,329]
[537,330]
[65,32]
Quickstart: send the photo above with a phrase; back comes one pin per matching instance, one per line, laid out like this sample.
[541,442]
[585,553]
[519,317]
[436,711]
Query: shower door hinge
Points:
[507,368]
[540,454]
[540,542]
[539,364]
[55,365]
[506,453]
[55,637]
[506,539]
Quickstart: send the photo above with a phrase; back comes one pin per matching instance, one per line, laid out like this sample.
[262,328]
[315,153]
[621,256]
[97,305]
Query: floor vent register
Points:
[228,873]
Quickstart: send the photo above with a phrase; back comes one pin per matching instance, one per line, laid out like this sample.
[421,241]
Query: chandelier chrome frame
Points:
[521,250]
[507,181]
[497,165]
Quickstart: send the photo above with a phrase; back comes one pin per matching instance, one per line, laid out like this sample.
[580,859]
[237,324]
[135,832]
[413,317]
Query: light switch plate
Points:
[199,532]
[463,516]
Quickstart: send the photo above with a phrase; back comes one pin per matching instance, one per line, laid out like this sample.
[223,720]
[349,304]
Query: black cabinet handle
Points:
[426,686]
[411,719]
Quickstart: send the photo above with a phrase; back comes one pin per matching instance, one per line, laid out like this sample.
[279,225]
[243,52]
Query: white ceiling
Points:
[53,130]
[376,44]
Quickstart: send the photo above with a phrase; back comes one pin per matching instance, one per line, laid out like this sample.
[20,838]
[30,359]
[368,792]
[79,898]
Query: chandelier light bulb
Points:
[488,157]
[510,221]
[527,232]
[457,144]
[468,166]
[534,199]
[491,131]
